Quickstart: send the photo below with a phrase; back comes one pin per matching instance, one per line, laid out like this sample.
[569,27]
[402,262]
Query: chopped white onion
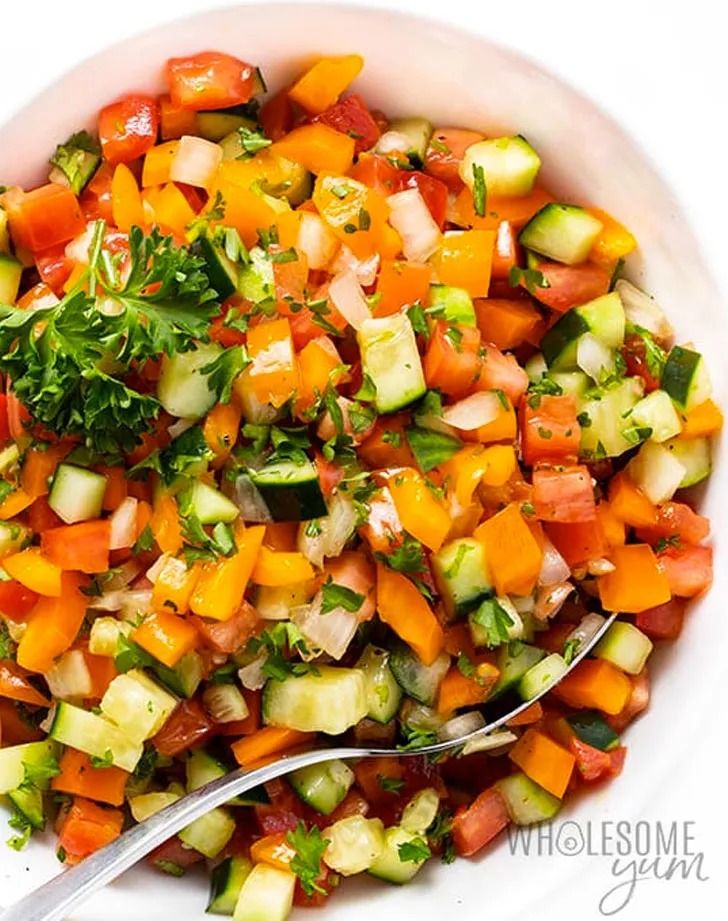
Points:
[594,358]
[103,638]
[157,566]
[641,310]
[348,298]
[585,632]
[316,241]
[550,599]
[78,249]
[411,218]
[364,269]
[131,602]
[393,142]
[252,677]
[524,604]
[123,524]
[600,567]
[70,678]
[225,703]
[122,575]
[554,567]
[516,629]
[478,409]
[195,162]
[180,426]
[330,633]
[460,726]
[333,532]
[491,742]
[249,500]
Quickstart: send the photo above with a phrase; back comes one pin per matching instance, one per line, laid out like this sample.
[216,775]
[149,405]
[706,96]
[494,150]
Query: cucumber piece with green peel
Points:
[390,865]
[28,800]
[592,728]
[391,360]
[222,272]
[266,895]
[384,694]
[695,456]
[657,412]
[509,165]
[541,675]
[185,678]
[256,282]
[603,318]
[183,389]
[330,701]
[226,881]
[14,758]
[11,271]
[137,704]
[625,646]
[462,575]
[145,805]
[76,493]
[417,680]
[605,421]
[452,304]
[323,786]
[411,136]
[513,660]
[657,471]
[421,811]
[526,802]
[214,126]
[208,504]
[95,735]
[291,490]
[685,378]
[210,833]
[564,233]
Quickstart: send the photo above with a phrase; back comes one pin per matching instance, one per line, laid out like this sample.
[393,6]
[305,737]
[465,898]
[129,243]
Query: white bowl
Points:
[454,79]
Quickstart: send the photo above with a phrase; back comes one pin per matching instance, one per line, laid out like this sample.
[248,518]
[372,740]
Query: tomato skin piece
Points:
[209,80]
[128,128]
[188,725]
[664,622]
[351,116]
[556,415]
[377,173]
[433,191]
[500,371]
[451,366]
[689,570]
[570,285]
[474,826]
[676,519]
[564,495]
[54,267]
[445,153]
[634,354]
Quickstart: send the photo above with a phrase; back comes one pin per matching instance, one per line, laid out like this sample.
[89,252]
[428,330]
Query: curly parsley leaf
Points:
[495,621]
[306,864]
[415,851]
[339,596]
[77,159]
[223,370]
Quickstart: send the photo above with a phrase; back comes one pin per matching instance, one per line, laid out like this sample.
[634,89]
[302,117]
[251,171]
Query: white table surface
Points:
[662,70]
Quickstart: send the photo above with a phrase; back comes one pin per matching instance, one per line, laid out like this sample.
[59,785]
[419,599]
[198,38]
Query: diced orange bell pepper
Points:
[14,685]
[516,210]
[220,429]
[221,586]
[117,487]
[322,84]
[387,445]
[39,467]
[273,850]
[613,243]
[79,777]
[272,373]
[126,201]
[166,636]
[316,360]
[636,584]
[83,546]
[595,684]
[401,284]
[342,202]
[702,421]
[369,774]
[174,585]
[87,828]
[457,691]
[280,568]
[102,672]
[629,504]
[503,428]
[15,503]
[246,211]
[44,217]
[172,211]
[615,533]
[507,324]
[157,162]
[34,571]
[419,510]
[513,553]
[165,524]
[532,714]
[403,607]
[318,148]
[53,624]
[270,740]
[464,259]
[474,464]
[544,761]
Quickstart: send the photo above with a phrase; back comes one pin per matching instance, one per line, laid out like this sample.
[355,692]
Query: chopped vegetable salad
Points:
[319,423]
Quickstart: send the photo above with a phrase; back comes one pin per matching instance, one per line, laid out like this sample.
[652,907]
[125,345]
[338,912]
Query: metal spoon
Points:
[53,900]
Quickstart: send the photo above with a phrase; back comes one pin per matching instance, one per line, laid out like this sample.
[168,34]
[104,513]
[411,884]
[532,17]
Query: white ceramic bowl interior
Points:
[424,68]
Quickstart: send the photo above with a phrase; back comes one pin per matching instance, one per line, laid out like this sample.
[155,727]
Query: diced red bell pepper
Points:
[473,827]
[351,116]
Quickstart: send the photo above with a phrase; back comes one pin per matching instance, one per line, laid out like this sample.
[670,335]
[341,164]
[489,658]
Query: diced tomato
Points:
[330,474]
[594,764]
[16,601]
[54,267]
[227,636]
[634,353]
[505,254]
[276,116]
[445,153]
[570,285]
[41,517]
[188,725]
[83,546]
[637,702]
[44,217]
[432,190]
[676,520]
[354,570]
[452,360]
[564,495]
[664,622]
[689,570]
[87,827]
[383,529]
[173,853]
[128,128]
[209,80]
[549,429]
[4,419]
[473,827]
[274,818]
[351,116]
[501,371]
[14,685]
[377,173]
[95,201]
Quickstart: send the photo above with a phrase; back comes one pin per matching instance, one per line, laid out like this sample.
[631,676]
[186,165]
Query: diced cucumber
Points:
[185,677]
[536,367]
[103,639]
[331,701]
[291,490]
[94,735]
[462,576]
[208,504]
[11,272]
[383,693]
[565,233]
[415,134]
[452,304]
[274,602]
[137,705]
[592,728]
[420,811]
[602,317]
[354,844]
[656,471]
[685,377]
[514,660]
[431,447]
[594,358]
[14,758]
[225,703]
[478,619]
[604,419]
[416,679]
[389,865]
[145,805]
[28,799]
[76,494]
[202,768]
[213,126]
[182,388]
[226,881]
[9,457]
[256,282]
[572,383]
[75,162]
[695,456]
[542,674]
[221,271]
[657,413]
[210,833]
[625,646]
[323,786]
[526,802]
[266,895]
[510,165]
[12,537]
[391,360]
